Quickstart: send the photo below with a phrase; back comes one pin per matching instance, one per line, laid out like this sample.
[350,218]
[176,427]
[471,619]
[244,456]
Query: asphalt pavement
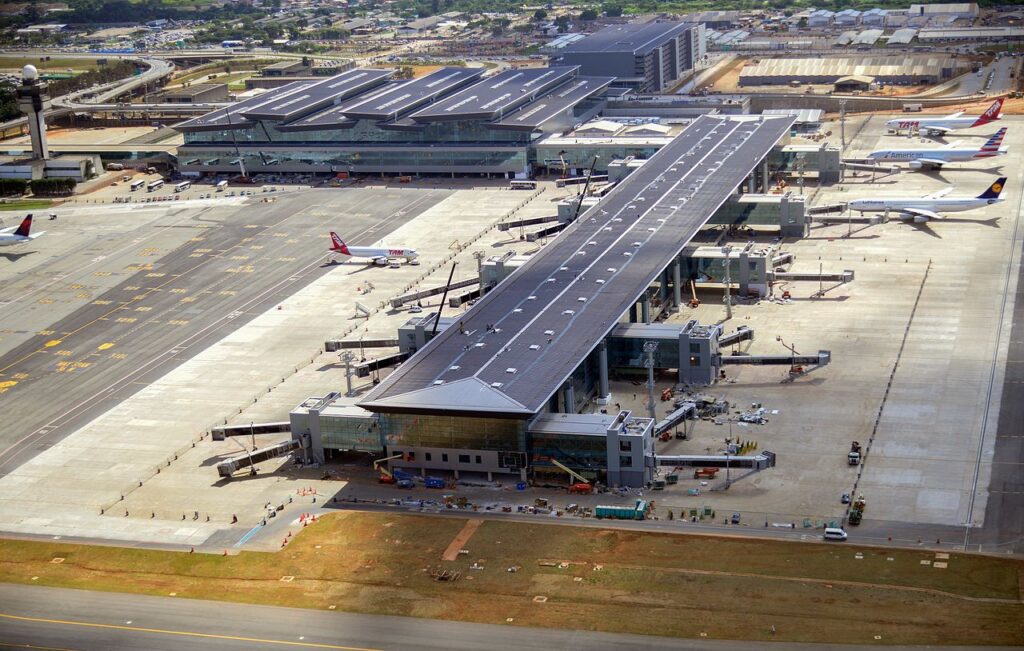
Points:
[35,617]
[241,262]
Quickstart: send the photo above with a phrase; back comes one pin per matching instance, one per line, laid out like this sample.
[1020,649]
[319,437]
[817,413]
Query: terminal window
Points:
[427,455]
[625,446]
[625,461]
[444,458]
[479,460]
[463,458]
[694,360]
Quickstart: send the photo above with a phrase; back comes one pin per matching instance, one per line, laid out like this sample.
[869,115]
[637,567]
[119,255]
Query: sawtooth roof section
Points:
[406,96]
[231,116]
[495,96]
[549,315]
[320,94]
[534,114]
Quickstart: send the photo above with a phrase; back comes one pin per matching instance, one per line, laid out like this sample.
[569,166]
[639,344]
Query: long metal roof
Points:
[534,114]
[319,94]
[511,352]
[633,38]
[493,97]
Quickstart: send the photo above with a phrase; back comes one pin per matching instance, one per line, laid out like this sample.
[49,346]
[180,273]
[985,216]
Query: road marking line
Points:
[161,631]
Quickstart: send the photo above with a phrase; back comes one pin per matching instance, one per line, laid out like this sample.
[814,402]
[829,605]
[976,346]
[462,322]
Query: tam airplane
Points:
[942,126]
[377,255]
[923,209]
[937,157]
[19,235]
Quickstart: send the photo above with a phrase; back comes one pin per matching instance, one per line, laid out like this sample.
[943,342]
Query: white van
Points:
[832,533]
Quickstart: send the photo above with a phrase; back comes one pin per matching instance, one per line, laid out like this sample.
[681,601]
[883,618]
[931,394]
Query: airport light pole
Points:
[842,122]
[347,357]
[649,348]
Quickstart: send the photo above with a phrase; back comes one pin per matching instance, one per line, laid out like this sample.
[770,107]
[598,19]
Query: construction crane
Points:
[386,476]
[582,484]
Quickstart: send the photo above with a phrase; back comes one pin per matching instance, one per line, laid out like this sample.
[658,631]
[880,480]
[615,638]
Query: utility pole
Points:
[649,348]
[347,357]
[728,283]
[842,122]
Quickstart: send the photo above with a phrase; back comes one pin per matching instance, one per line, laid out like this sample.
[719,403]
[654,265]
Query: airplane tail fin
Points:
[25,227]
[994,190]
[991,114]
[338,245]
[993,143]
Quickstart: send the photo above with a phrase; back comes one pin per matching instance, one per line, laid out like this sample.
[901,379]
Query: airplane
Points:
[935,158]
[377,255]
[922,209]
[19,235]
[942,126]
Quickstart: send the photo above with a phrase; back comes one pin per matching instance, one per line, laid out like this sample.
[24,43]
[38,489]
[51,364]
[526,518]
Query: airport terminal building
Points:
[500,389]
[453,120]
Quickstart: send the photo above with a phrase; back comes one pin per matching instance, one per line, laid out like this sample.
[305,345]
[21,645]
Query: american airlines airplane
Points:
[922,209]
[377,255]
[942,126]
[19,235]
[937,157]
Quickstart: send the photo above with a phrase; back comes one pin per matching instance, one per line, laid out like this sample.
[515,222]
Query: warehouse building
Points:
[647,57]
[909,70]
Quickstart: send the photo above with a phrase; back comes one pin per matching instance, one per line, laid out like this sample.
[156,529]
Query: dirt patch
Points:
[459,543]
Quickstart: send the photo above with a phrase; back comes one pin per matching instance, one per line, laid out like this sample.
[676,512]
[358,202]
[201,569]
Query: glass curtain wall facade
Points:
[453,432]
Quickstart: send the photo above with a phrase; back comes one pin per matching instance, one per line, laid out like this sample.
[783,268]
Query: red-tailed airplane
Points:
[377,255]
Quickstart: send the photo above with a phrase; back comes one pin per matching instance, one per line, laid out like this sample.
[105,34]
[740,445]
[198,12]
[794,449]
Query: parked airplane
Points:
[19,235]
[377,255]
[937,157]
[941,126]
[921,209]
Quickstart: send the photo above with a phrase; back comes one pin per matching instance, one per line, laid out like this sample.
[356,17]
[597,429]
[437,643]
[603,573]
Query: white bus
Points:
[154,185]
[222,186]
[522,185]
[184,185]
[137,185]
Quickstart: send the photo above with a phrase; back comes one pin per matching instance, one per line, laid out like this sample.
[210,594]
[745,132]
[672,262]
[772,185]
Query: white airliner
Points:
[941,126]
[937,157]
[377,255]
[922,209]
[19,235]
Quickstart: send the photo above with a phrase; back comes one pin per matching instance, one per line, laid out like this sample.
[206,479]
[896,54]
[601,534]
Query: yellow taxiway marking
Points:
[6,385]
[9,645]
[51,343]
[162,631]
[104,346]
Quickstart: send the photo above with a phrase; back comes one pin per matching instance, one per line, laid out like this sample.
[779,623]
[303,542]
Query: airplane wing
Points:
[920,212]
[939,194]
[941,130]
[955,115]
[951,145]
[934,162]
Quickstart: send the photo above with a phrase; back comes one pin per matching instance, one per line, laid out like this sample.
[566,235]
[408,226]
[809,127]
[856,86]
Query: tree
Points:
[562,23]
[612,11]
[540,15]
[588,15]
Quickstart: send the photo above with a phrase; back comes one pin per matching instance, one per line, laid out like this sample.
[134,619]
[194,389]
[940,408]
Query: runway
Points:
[34,617]
[238,261]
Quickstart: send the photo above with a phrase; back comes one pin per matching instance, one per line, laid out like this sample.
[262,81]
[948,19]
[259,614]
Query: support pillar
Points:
[645,308]
[570,399]
[604,395]
[632,313]
[765,182]
[677,290]
[752,182]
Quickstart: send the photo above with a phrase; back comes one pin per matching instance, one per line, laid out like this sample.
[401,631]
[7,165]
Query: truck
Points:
[857,510]
[853,458]
[434,482]
[705,473]
[636,512]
